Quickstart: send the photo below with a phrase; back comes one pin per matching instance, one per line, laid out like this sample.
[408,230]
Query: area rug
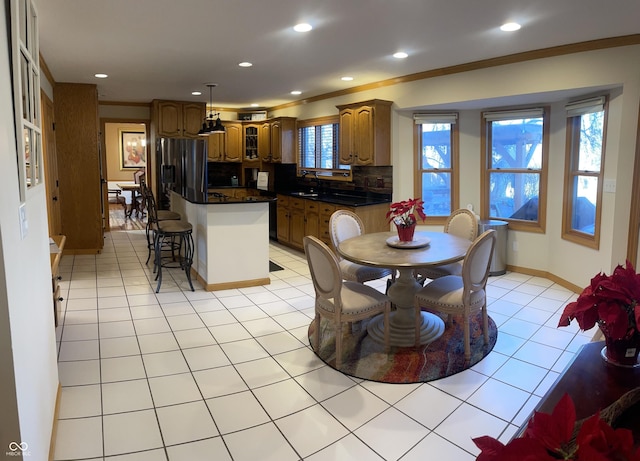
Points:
[365,358]
[274,267]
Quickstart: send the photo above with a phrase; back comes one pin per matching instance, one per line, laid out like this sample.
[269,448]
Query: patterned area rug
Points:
[366,359]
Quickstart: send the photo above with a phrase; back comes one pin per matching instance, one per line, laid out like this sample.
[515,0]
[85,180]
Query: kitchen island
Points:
[231,237]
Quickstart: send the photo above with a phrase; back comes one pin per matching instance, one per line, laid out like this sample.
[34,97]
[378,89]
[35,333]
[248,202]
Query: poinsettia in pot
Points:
[611,301]
[403,215]
[554,436]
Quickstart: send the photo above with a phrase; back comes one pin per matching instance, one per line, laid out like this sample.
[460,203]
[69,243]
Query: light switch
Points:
[24,224]
[609,186]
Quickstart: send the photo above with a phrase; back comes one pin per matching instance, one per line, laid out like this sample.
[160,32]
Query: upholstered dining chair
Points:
[461,223]
[461,295]
[337,300]
[343,225]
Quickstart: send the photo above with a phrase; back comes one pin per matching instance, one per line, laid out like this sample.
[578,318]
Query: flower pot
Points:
[622,352]
[405,233]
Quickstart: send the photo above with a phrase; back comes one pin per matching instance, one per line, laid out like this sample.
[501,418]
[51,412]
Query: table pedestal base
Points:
[402,320]
[403,335]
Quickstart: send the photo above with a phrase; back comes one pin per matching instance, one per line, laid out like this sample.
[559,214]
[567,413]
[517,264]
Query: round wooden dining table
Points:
[382,249]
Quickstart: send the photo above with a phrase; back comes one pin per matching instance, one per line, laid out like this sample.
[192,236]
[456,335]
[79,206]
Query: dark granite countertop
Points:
[341,198]
[204,198]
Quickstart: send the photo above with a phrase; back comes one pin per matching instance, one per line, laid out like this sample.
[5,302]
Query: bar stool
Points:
[179,234]
[154,216]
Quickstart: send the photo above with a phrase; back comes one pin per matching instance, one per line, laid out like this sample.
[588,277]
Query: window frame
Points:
[538,226]
[454,170]
[572,152]
[340,174]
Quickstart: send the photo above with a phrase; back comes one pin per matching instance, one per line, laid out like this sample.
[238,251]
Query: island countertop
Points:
[216,198]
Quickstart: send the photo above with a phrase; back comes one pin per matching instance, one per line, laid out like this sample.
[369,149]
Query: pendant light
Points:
[208,126]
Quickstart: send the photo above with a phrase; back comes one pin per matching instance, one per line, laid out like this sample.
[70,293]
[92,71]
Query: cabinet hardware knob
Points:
[60,299]
[59,277]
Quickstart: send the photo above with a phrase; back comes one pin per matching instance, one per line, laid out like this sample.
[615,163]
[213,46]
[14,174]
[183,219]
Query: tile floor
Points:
[229,375]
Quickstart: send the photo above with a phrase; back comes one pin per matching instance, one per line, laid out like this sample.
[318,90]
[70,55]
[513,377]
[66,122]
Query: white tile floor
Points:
[229,375]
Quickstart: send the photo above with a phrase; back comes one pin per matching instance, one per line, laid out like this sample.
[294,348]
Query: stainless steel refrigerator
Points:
[182,167]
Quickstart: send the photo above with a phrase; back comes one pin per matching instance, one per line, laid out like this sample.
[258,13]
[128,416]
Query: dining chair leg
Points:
[338,344]
[485,323]
[467,339]
[316,340]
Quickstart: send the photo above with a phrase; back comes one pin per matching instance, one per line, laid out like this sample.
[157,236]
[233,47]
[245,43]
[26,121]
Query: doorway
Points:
[125,151]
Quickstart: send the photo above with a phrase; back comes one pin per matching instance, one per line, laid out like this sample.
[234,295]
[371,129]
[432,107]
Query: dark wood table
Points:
[135,201]
[591,382]
[373,250]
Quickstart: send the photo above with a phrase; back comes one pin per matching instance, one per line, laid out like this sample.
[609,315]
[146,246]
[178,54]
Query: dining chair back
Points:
[343,225]
[461,295]
[461,223]
[337,300]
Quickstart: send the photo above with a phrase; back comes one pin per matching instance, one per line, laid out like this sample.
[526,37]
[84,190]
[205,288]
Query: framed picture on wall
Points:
[133,149]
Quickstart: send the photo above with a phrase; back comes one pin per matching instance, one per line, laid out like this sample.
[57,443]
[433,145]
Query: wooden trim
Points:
[329,119]
[548,275]
[591,45]
[634,218]
[455,170]
[82,251]
[571,158]
[538,226]
[229,285]
[124,103]
[54,424]
[45,70]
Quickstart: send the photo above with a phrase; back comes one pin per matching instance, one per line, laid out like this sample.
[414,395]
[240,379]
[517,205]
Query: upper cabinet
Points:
[178,119]
[365,129]
[283,140]
[272,140]
[226,147]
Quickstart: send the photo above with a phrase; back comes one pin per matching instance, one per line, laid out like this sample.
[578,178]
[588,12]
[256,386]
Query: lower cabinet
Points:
[298,217]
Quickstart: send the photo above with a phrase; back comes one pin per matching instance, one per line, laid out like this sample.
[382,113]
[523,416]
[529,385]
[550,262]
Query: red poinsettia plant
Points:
[611,301]
[550,437]
[404,213]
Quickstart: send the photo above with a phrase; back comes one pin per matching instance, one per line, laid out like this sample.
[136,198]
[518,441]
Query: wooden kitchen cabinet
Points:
[326,210]
[282,212]
[226,147]
[298,217]
[264,140]
[312,218]
[250,141]
[365,133]
[283,140]
[177,119]
[296,222]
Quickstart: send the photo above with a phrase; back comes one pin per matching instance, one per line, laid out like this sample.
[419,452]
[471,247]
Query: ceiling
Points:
[165,49]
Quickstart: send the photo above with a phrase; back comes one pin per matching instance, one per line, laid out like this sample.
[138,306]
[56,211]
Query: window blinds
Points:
[513,114]
[585,106]
[419,119]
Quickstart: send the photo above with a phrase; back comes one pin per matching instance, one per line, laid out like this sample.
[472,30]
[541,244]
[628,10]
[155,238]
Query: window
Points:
[318,146]
[436,164]
[586,128]
[26,84]
[514,180]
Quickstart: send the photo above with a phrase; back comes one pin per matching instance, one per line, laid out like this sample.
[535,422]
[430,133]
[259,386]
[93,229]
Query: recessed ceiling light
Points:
[346,79]
[510,27]
[196,93]
[296,92]
[245,64]
[400,55]
[100,75]
[302,27]
[255,105]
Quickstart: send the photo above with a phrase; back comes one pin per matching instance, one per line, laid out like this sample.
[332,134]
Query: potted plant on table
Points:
[403,215]
[611,301]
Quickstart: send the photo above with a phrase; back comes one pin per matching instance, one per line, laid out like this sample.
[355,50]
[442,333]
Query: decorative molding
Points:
[544,274]
[560,50]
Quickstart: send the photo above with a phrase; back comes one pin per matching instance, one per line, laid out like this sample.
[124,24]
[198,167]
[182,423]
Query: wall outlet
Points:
[515,246]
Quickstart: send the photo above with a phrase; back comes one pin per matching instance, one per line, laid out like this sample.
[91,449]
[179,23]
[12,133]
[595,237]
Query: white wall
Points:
[551,81]
[27,270]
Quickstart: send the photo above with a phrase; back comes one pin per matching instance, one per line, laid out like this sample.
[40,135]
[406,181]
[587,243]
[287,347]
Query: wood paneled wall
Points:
[77,146]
